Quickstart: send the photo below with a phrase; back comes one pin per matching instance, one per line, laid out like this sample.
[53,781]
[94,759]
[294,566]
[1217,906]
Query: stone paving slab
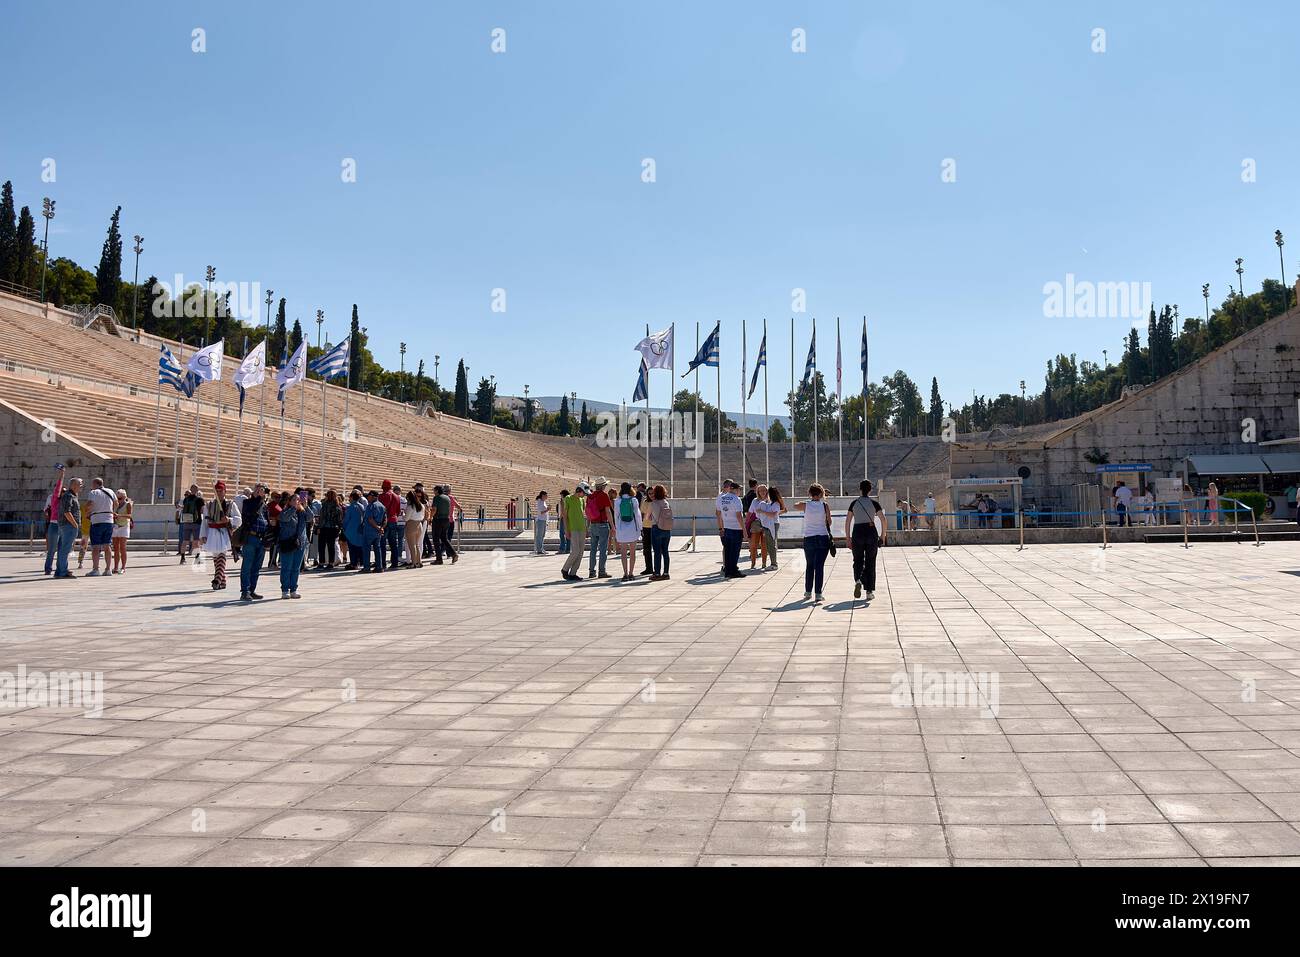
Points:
[1072,706]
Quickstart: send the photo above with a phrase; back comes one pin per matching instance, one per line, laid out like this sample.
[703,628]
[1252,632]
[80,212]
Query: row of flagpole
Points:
[658,352]
[206,365]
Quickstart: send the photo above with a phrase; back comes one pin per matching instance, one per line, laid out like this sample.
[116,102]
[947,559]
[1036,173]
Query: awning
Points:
[1280,462]
[1229,465]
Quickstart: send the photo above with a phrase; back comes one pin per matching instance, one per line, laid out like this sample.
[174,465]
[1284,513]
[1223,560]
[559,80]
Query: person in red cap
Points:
[394,531]
[214,536]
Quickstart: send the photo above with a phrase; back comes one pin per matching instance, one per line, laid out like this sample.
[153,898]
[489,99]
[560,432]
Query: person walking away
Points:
[441,505]
[354,520]
[191,516]
[214,535]
[929,507]
[101,503]
[69,513]
[1123,496]
[600,521]
[864,533]
[394,535]
[292,536]
[729,510]
[541,509]
[51,513]
[254,528]
[575,520]
[816,540]
[122,522]
[327,532]
[765,513]
[627,531]
[661,532]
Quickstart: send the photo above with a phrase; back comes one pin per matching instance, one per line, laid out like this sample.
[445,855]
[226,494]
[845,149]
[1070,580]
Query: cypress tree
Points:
[461,406]
[354,356]
[26,271]
[108,277]
[279,337]
[295,339]
[562,426]
[8,234]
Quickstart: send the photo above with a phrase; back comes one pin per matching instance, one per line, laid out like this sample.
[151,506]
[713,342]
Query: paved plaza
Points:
[1071,706]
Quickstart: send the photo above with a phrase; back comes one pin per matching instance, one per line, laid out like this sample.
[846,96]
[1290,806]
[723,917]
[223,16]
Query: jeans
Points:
[290,568]
[395,532]
[731,542]
[539,536]
[67,535]
[51,545]
[815,550]
[354,554]
[865,544]
[250,569]
[564,539]
[659,539]
[599,544]
[1122,511]
[374,554]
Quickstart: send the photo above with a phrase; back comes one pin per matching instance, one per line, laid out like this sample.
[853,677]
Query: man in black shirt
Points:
[863,538]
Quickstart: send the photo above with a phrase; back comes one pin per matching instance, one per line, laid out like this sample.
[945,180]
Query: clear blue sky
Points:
[775,170]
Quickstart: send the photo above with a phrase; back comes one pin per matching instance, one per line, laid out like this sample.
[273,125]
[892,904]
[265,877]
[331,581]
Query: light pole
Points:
[1277,238]
[320,321]
[1241,296]
[1105,358]
[1022,403]
[210,274]
[361,373]
[135,296]
[528,411]
[401,375]
[47,210]
[1205,291]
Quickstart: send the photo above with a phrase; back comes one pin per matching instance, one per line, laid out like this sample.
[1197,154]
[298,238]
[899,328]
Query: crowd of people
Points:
[591,520]
[289,531]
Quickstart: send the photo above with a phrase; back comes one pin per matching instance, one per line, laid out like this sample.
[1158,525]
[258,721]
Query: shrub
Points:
[1256,501]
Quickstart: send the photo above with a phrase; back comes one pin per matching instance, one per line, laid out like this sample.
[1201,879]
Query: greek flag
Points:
[812,357]
[708,354]
[642,390]
[170,373]
[762,361]
[334,362]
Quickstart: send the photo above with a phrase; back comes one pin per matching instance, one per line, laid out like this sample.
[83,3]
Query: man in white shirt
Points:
[729,510]
[101,503]
[929,506]
[1123,497]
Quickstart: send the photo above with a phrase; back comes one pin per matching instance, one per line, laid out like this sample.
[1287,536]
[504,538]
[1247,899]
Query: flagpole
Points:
[347,398]
[322,435]
[645,434]
[815,423]
[261,410]
[744,401]
[176,448]
[157,426]
[302,428]
[195,476]
[792,397]
[839,400]
[767,427]
[672,419]
[239,431]
[280,482]
[717,343]
[216,461]
[698,438]
[866,472]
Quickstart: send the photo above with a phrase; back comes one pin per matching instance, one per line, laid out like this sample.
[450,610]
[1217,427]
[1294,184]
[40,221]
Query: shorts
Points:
[101,533]
[189,531]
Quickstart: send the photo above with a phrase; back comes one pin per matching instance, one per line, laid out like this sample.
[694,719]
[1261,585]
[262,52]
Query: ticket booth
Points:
[1002,492]
[1135,475]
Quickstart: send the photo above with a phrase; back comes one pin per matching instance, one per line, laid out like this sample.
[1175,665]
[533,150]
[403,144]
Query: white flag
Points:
[657,349]
[206,363]
[252,371]
[294,371]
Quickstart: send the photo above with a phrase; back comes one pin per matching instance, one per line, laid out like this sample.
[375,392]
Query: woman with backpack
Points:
[661,531]
[291,538]
[627,529]
[327,533]
[864,533]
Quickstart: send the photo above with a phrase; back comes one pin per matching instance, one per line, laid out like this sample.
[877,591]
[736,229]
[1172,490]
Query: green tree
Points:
[354,355]
[8,234]
[776,432]
[485,400]
[108,277]
[563,425]
[461,405]
[936,407]
[277,350]
[684,402]
[801,403]
[26,270]
[908,407]
[295,338]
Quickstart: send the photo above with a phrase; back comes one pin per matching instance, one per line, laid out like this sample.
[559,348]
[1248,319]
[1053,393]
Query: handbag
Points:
[829,533]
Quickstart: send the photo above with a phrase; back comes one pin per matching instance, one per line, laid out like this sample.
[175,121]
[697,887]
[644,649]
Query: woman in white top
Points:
[627,529]
[541,509]
[414,507]
[762,531]
[816,539]
[121,530]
